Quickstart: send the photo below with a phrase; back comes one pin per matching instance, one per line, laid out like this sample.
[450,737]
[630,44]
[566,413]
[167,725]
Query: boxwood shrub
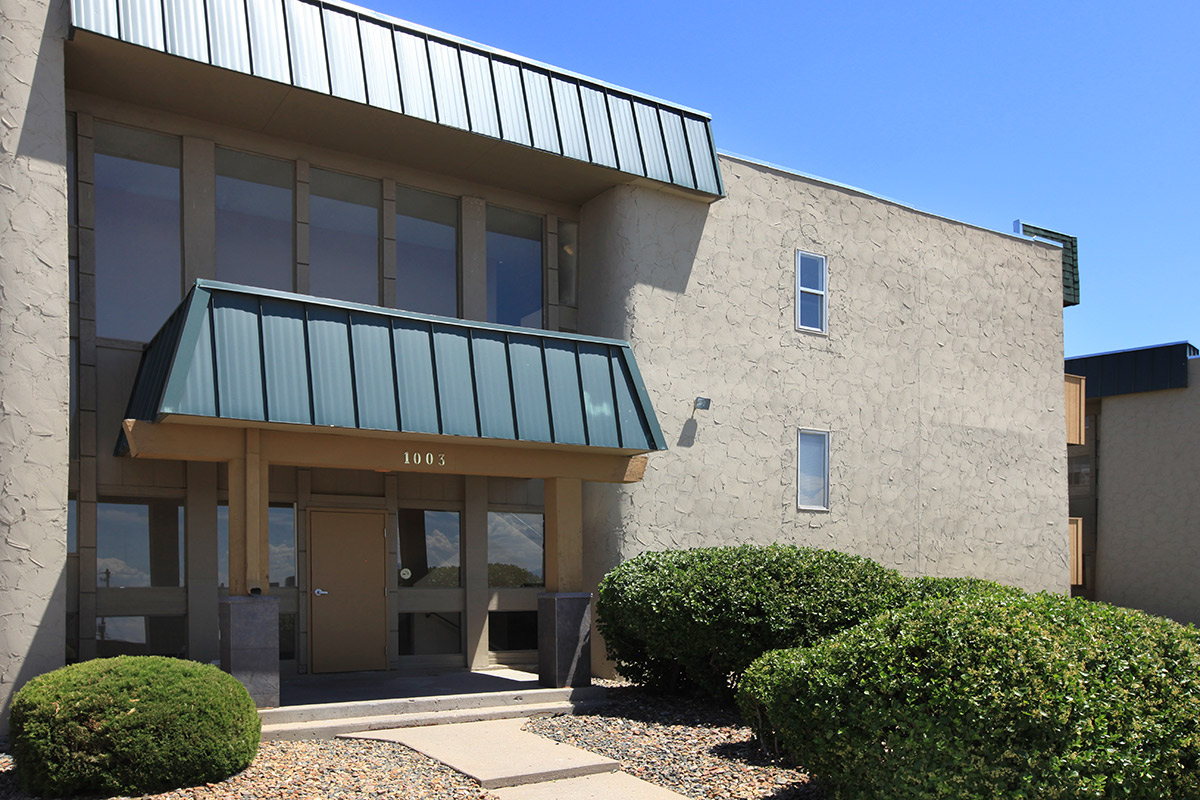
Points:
[986,695]
[697,618]
[130,725]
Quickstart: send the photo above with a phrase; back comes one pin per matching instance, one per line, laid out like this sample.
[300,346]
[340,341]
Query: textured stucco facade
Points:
[1148,515]
[939,378]
[34,344]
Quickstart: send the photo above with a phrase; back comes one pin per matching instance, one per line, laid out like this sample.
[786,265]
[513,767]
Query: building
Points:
[225,402]
[1132,479]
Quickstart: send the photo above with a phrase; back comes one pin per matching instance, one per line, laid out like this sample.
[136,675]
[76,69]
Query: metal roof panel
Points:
[235,353]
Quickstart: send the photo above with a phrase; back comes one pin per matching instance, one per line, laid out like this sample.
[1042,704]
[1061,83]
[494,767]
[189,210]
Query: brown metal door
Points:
[347,601]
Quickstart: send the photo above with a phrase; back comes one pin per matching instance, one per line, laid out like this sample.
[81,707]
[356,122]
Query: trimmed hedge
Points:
[131,725]
[986,695]
[697,618]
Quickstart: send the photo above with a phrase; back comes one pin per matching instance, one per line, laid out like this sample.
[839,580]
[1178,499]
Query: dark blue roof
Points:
[238,353]
[1144,369]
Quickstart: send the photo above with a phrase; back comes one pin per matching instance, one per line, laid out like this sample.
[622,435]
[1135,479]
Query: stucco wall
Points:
[940,378]
[1148,540]
[34,343]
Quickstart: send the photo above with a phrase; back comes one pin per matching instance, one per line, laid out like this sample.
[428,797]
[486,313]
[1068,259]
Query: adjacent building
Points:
[1132,479]
[329,342]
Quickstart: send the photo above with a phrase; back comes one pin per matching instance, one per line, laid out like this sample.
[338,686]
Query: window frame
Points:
[825,437]
[822,293]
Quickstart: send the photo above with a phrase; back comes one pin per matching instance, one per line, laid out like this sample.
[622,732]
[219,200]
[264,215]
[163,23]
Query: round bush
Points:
[989,695]
[131,725]
[700,617]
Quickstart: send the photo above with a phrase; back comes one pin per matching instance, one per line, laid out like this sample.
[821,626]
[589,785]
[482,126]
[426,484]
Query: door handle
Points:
[319,592]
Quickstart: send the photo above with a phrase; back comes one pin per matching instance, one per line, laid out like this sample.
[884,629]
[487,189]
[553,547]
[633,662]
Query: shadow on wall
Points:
[46,650]
[43,130]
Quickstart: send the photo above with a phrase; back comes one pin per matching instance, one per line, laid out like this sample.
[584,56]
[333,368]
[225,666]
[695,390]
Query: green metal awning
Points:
[259,357]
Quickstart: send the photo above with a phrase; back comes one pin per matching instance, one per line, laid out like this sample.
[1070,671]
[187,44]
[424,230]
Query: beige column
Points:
[564,535]
[473,232]
[200,519]
[249,546]
[34,345]
[476,592]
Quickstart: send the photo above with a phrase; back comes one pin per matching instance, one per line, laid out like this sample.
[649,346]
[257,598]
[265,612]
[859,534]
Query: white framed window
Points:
[812,470]
[810,292]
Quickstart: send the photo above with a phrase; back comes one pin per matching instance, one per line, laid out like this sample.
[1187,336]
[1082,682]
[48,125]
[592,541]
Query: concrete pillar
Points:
[250,645]
[34,345]
[201,541]
[475,571]
[564,534]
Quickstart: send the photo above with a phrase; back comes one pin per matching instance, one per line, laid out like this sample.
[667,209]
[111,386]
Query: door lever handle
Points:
[319,592]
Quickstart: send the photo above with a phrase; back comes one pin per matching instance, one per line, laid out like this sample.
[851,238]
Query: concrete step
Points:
[497,753]
[327,720]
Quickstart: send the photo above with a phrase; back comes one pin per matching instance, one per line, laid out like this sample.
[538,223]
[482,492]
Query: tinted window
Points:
[254,220]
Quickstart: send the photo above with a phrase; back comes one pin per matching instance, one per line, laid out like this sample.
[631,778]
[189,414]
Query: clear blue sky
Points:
[1079,117]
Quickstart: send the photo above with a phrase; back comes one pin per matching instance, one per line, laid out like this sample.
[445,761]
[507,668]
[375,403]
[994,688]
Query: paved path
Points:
[517,765]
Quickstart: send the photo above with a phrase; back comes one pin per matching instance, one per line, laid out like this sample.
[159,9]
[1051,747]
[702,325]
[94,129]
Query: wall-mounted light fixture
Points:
[701,404]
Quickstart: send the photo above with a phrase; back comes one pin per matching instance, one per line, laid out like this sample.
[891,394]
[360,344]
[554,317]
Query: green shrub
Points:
[130,725]
[700,617]
[925,588]
[989,695]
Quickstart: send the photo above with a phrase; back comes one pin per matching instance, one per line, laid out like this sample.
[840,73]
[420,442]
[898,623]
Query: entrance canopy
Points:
[253,377]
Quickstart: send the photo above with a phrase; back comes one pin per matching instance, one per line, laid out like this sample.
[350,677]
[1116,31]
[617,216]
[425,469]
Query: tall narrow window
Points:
[812,472]
[810,292]
[281,534]
[254,220]
[429,553]
[139,543]
[343,237]
[514,267]
[138,250]
[426,252]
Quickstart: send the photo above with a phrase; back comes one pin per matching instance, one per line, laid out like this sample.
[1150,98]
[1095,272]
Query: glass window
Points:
[254,220]
[426,252]
[72,527]
[139,543]
[138,262]
[568,262]
[810,292]
[812,473]
[514,267]
[72,173]
[141,636]
[516,549]
[512,630]
[429,548]
[343,237]
[430,633]
[281,540]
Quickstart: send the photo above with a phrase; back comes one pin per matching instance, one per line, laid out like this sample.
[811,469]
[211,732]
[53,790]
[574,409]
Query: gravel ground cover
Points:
[686,745]
[689,746]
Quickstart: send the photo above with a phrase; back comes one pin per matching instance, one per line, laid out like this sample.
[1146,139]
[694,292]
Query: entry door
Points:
[347,601]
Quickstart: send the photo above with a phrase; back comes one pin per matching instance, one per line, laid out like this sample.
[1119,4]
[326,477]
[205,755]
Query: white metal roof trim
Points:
[339,49]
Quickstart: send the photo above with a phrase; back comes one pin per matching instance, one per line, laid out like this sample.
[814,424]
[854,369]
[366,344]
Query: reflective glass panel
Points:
[813,470]
[281,533]
[141,636]
[516,549]
[568,262]
[138,272]
[811,310]
[72,189]
[254,220]
[430,633]
[72,527]
[512,630]
[343,237]
[139,543]
[514,267]
[429,548]
[426,252]
[812,272]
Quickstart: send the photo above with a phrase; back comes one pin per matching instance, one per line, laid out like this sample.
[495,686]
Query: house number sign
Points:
[417,458]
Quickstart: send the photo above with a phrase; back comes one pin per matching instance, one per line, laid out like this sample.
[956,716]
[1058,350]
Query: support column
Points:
[201,541]
[564,610]
[34,345]
[475,571]
[474,258]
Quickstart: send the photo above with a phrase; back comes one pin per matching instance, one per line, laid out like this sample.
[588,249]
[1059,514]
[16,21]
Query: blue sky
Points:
[1079,117]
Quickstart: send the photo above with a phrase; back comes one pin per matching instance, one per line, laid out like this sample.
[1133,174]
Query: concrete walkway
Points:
[517,765]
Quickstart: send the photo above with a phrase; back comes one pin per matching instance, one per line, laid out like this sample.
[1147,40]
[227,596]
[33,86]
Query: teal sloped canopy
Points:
[233,352]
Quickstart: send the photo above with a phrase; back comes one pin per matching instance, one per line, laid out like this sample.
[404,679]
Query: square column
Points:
[250,645]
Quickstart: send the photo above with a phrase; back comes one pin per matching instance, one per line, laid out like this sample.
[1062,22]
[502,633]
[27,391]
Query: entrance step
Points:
[497,753]
[327,720]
